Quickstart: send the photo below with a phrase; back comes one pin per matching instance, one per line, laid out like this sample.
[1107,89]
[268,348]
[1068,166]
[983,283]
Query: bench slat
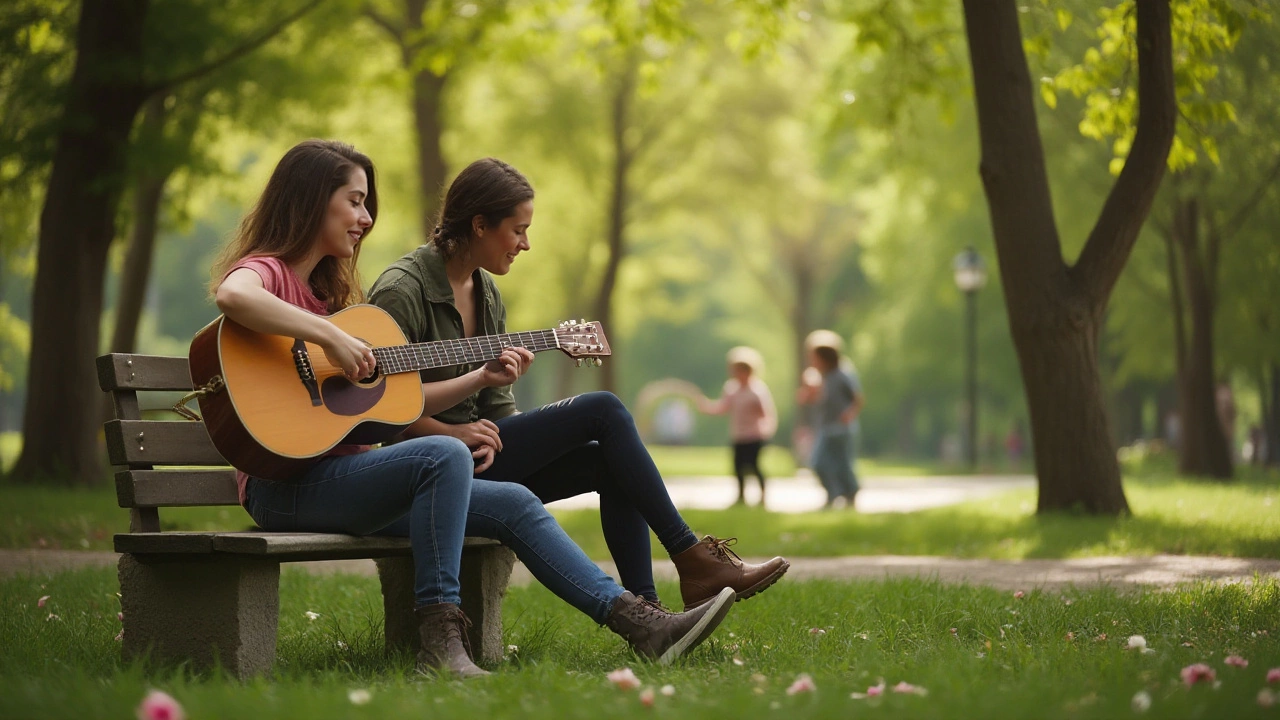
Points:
[163,442]
[281,546]
[176,488]
[126,371]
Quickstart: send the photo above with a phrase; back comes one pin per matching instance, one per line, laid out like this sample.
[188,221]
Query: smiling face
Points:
[347,219]
[495,247]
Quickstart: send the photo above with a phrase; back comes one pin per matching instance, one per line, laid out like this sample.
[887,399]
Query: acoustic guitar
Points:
[273,405]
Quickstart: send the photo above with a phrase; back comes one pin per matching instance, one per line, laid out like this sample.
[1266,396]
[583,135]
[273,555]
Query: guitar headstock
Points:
[582,340]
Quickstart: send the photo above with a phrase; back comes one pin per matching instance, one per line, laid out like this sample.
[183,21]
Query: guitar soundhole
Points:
[377,374]
[344,398]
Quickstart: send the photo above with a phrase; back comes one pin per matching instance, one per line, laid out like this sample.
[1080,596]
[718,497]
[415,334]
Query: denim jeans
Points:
[426,480]
[513,515]
[833,457]
[589,443]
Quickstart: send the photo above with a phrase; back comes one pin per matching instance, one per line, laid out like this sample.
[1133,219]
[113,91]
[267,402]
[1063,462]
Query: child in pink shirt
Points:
[752,417]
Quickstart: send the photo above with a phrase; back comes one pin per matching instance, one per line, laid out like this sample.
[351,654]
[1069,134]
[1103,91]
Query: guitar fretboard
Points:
[465,351]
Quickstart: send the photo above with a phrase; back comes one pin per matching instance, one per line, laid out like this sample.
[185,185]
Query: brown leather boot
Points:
[710,565]
[658,634]
[443,631]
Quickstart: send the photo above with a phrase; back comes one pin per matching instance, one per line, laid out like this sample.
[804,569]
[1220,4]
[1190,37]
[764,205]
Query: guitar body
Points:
[284,405]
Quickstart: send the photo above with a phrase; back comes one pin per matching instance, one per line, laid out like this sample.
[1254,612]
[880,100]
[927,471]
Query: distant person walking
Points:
[752,417]
[837,399]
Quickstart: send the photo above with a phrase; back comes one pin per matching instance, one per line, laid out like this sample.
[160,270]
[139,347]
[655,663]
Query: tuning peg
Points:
[578,362]
[599,361]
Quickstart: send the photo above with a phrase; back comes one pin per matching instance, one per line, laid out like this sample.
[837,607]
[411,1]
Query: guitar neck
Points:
[464,351]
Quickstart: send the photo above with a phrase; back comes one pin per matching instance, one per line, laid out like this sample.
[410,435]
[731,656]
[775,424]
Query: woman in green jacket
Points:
[587,443]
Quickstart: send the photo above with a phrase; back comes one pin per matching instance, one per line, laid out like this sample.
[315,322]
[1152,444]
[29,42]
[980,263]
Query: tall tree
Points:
[1055,309]
[108,86]
[436,39]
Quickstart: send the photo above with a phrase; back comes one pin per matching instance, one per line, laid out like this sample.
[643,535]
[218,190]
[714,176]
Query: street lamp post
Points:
[971,275]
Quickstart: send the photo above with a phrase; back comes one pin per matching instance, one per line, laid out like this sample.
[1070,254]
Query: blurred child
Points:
[752,417]
[836,397]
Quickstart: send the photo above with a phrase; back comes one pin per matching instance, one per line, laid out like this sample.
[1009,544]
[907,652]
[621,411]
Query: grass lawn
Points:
[978,652]
[1239,519]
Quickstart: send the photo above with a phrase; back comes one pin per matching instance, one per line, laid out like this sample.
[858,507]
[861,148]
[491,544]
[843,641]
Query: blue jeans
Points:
[833,457]
[513,515]
[589,443]
[426,480]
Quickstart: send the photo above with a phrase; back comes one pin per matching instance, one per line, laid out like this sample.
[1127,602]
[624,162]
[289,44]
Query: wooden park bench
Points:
[213,597]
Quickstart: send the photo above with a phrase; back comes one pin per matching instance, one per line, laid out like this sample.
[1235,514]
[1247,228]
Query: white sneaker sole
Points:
[720,607]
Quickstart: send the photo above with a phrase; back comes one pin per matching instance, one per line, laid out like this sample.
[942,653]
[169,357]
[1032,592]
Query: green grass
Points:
[1175,516]
[1240,519]
[1005,658]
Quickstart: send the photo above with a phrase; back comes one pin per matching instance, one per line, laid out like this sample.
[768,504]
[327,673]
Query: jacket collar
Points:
[435,281]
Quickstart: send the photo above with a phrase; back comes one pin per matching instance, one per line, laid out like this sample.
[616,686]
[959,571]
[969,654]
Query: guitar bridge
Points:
[306,373]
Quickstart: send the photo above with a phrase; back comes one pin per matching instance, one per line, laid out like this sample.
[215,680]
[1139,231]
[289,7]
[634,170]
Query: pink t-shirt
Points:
[280,280]
[752,416]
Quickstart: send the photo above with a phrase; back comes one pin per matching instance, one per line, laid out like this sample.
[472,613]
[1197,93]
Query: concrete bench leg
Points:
[485,574]
[201,610]
[399,623]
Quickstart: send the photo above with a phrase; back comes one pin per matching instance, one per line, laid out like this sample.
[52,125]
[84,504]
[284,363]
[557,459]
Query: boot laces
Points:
[456,625]
[721,549]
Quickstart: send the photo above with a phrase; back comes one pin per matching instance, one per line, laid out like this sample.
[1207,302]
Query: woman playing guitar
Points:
[586,443]
[292,263]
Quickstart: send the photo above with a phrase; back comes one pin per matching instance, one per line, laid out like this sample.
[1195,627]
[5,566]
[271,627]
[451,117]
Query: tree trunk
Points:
[60,422]
[148,191]
[427,90]
[1271,416]
[1204,449]
[1055,311]
[622,157]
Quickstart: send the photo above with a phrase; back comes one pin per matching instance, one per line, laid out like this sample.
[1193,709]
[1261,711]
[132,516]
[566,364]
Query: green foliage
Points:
[977,651]
[1203,32]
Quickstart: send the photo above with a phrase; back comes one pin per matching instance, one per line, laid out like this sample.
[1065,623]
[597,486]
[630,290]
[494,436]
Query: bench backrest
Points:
[159,463]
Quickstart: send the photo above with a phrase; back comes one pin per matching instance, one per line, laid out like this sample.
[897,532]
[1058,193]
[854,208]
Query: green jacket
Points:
[416,292]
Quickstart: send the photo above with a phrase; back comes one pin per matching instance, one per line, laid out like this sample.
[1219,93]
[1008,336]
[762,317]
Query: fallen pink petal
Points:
[907,688]
[624,678]
[646,697]
[803,683]
[1266,697]
[43,599]
[159,705]
[817,631]
[1019,595]
[1199,672]
[1235,661]
[875,690]
[1273,675]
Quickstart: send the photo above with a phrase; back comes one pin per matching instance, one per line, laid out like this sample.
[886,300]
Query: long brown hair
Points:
[487,187]
[288,217]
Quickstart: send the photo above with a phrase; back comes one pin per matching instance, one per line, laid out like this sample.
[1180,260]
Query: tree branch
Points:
[235,53]
[1127,206]
[396,32]
[1246,208]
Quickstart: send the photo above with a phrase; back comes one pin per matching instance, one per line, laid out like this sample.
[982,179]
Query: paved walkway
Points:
[803,493]
[1159,571]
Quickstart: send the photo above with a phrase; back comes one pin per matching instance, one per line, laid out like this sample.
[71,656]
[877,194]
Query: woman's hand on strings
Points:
[353,356]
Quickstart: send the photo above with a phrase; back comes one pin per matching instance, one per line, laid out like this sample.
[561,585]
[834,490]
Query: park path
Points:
[1123,573]
[802,494]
